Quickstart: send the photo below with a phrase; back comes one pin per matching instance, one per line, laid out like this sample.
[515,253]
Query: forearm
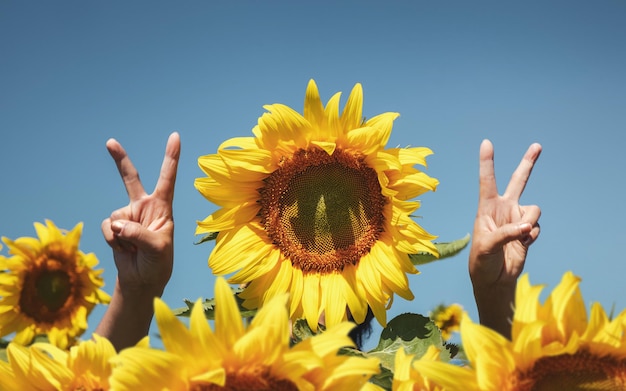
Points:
[128,317]
[495,306]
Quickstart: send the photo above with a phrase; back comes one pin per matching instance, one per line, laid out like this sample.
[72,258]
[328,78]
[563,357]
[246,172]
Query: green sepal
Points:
[3,349]
[208,237]
[300,331]
[445,249]
[209,307]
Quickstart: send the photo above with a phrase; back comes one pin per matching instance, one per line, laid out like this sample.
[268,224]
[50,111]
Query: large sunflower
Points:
[234,358]
[48,286]
[554,346]
[43,366]
[315,203]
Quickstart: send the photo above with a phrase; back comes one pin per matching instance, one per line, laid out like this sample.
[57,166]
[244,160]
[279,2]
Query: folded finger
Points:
[108,234]
[531,214]
[121,214]
[532,235]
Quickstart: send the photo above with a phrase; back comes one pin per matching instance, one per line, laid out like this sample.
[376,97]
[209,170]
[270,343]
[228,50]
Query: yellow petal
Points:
[352,115]
[228,218]
[331,112]
[174,334]
[254,160]
[313,107]
[239,143]
[333,298]
[240,248]
[228,324]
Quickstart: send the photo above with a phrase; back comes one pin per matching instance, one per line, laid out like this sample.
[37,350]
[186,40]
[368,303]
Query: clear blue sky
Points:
[75,73]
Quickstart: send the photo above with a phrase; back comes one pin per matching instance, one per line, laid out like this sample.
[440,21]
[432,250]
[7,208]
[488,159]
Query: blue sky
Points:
[75,73]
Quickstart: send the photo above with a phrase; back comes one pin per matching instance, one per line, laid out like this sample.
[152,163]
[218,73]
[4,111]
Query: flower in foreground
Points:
[235,358]
[48,286]
[447,318]
[407,377]
[554,346]
[314,205]
[43,366]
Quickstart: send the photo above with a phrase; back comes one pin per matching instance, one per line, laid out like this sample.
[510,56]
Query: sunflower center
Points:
[579,371]
[256,377]
[47,290]
[324,212]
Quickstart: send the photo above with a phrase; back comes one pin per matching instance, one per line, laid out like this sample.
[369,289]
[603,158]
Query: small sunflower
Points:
[448,319]
[48,286]
[316,206]
[235,358]
[554,346]
[43,366]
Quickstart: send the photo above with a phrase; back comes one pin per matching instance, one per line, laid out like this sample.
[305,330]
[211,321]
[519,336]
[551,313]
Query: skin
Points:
[141,236]
[503,232]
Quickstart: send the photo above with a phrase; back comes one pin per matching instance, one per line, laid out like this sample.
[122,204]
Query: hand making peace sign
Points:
[141,235]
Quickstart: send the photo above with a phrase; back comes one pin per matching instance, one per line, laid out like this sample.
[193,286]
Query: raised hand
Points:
[141,235]
[503,231]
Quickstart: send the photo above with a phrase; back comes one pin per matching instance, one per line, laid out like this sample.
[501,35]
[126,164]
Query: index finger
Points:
[522,172]
[127,170]
[167,178]
[486,175]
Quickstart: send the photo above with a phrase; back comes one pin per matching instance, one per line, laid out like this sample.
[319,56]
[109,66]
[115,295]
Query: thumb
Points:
[510,232]
[132,232]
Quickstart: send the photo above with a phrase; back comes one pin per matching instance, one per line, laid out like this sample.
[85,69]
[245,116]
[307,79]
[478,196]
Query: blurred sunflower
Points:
[447,318]
[48,286]
[236,359]
[554,346]
[315,203]
[407,375]
[43,366]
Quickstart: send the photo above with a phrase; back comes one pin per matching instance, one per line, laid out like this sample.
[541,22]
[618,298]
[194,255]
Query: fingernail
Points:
[525,227]
[117,226]
[527,241]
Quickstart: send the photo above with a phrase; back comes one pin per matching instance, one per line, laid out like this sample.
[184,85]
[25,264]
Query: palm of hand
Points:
[499,263]
[147,265]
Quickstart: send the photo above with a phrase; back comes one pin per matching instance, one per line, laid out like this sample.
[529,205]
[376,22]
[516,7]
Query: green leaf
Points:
[445,249]
[207,238]
[209,307]
[413,332]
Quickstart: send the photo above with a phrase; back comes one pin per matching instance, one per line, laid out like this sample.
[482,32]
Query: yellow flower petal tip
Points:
[236,357]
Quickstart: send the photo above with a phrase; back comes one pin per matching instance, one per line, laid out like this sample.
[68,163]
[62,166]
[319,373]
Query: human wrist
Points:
[129,314]
[495,303]
[138,292]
